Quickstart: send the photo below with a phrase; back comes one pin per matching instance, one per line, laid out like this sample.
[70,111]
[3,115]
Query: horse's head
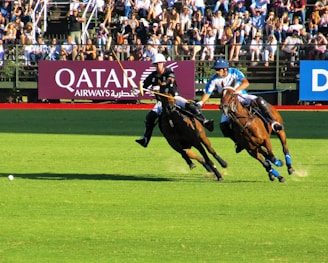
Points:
[228,100]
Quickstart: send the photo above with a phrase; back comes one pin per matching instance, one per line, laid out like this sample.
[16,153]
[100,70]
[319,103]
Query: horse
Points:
[253,132]
[183,132]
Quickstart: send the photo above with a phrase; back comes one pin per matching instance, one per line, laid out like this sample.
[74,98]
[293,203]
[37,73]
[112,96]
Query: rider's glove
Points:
[199,104]
[156,88]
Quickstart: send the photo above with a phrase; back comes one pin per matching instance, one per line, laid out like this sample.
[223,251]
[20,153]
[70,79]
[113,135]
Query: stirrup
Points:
[276,126]
[209,124]
[143,141]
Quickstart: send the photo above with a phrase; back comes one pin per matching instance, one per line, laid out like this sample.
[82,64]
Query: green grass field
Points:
[84,191]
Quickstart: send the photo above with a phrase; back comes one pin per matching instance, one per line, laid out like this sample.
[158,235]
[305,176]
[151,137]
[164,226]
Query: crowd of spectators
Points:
[194,29]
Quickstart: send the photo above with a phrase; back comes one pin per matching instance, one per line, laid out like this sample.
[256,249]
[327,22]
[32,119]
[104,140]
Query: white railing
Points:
[42,6]
[91,5]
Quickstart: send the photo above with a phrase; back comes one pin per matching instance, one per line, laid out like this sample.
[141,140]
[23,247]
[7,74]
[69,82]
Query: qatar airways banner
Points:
[106,80]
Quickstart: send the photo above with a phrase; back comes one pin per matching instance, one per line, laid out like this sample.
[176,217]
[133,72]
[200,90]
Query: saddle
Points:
[185,113]
[255,110]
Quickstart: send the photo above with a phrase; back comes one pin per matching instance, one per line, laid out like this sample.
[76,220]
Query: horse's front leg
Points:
[192,155]
[272,173]
[266,151]
[178,147]
[208,162]
[283,139]
[187,159]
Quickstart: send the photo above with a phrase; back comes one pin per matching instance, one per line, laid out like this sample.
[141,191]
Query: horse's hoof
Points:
[224,164]
[192,166]
[220,179]
[273,174]
[272,177]
[281,179]
[291,170]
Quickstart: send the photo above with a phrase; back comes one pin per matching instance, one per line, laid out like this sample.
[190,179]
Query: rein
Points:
[233,101]
[235,116]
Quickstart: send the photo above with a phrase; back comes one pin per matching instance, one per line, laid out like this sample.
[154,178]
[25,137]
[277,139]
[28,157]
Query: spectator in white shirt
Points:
[255,47]
[40,51]
[291,47]
[218,24]
[142,7]
[209,45]
[270,49]
[295,26]
[185,19]
[149,52]
[69,49]
[200,5]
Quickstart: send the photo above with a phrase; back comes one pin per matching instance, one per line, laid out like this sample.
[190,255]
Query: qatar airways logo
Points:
[66,78]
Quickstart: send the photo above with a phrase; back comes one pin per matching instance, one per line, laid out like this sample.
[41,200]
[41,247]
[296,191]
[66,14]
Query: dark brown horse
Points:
[253,132]
[183,132]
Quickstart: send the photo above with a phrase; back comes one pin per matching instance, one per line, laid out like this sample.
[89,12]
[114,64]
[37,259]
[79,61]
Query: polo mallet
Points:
[141,89]
[121,66]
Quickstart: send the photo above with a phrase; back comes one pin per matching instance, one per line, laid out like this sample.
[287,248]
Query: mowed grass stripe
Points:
[84,191]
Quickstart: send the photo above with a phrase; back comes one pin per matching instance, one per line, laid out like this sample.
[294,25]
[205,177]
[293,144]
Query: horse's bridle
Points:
[231,106]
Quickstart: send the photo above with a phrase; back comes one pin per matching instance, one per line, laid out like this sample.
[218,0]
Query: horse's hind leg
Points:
[206,142]
[283,139]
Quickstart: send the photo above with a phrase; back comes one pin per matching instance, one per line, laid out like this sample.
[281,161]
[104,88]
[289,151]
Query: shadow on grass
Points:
[120,177]
[114,177]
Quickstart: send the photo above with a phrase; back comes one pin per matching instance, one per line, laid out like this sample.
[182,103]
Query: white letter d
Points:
[315,77]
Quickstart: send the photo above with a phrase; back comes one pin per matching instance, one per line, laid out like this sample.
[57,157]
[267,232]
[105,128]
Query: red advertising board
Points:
[106,80]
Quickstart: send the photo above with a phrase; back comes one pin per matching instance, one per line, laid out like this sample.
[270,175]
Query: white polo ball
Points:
[11,177]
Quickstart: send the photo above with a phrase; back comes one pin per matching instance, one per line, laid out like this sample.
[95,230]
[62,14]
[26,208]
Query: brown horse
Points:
[252,132]
[183,132]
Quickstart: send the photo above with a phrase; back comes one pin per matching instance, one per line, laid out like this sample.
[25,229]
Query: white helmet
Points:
[158,58]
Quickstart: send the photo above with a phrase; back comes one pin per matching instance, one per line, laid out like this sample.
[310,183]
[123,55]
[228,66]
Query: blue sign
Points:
[314,80]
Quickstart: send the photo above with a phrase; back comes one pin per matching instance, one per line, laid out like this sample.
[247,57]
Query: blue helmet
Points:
[220,63]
